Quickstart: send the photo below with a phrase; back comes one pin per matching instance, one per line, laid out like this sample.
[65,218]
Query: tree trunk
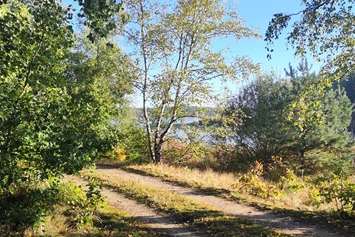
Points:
[157,152]
[303,160]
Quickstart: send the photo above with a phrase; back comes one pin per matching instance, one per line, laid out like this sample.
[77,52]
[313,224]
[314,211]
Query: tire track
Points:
[283,224]
[169,226]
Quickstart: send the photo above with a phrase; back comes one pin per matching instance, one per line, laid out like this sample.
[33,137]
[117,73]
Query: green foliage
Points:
[80,205]
[101,16]
[348,83]
[173,48]
[35,105]
[323,29]
[335,187]
[26,206]
[261,134]
[290,182]
[50,123]
[56,105]
[283,118]
[131,136]
[319,119]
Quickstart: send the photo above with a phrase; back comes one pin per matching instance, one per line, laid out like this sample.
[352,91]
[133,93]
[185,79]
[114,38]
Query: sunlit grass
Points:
[304,203]
[185,209]
[228,185]
[108,221]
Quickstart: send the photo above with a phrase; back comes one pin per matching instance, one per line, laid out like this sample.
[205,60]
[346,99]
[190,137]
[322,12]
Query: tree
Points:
[53,118]
[303,68]
[318,123]
[39,97]
[261,104]
[325,30]
[173,48]
[271,108]
[348,83]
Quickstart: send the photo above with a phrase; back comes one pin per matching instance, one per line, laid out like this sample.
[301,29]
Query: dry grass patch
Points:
[107,221]
[228,185]
[186,210]
[207,179]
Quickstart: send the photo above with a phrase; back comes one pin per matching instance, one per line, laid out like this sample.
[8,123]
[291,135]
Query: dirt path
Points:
[283,224]
[165,224]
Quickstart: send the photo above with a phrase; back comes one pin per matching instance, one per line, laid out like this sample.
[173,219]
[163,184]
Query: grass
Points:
[223,184]
[298,204]
[108,221]
[114,222]
[186,210]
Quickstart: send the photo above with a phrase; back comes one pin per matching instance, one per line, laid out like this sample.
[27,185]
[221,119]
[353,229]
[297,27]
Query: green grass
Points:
[221,184]
[113,222]
[106,220]
[186,210]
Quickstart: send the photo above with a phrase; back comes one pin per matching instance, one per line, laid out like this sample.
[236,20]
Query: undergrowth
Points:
[323,199]
[188,211]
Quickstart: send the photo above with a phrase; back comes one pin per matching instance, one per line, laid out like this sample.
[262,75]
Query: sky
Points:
[257,14]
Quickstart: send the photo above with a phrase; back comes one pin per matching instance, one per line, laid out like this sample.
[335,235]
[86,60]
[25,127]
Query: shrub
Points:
[30,205]
[253,184]
[117,153]
[80,205]
[26,208]
[336,188]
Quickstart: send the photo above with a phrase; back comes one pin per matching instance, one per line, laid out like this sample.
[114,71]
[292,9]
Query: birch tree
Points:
[175,46]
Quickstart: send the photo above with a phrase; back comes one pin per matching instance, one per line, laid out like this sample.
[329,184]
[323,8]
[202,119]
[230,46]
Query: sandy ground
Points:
[165,224]
[283,224]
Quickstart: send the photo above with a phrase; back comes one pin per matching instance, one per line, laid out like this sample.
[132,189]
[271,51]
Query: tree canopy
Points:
[174,53]
[324,29]
[271,107]
[57,104]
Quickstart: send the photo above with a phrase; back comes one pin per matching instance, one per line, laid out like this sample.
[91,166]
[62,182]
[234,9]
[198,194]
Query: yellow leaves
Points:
[118,153]
[4,10]
[20,10]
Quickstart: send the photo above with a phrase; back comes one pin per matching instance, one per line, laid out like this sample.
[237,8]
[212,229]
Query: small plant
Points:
[290,181]
[313,198]
[80,205]
[276,169]
[254,185]
[336,188]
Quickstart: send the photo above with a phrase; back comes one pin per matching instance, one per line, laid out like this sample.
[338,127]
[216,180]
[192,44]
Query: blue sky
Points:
[258,13]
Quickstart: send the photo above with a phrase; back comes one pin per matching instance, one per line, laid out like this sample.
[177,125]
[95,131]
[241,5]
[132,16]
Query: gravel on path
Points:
[169,226]
[283,224]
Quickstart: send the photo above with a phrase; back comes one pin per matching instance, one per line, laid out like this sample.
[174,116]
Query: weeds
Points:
[188,211]
[285,193]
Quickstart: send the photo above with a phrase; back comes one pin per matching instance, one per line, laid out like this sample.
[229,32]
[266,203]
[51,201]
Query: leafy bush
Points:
[131,143]
[117,153]
[337,188]
[56,108]
[253,184]
[290,182]
[26,207]
[30,205]
[80,205]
